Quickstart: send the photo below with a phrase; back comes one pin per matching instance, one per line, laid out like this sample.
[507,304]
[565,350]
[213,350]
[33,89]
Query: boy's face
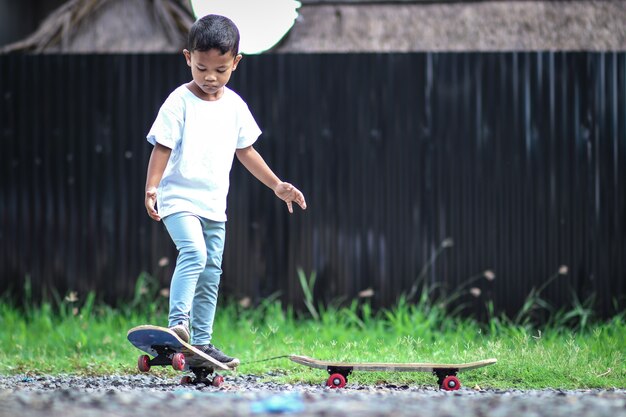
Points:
[211,71]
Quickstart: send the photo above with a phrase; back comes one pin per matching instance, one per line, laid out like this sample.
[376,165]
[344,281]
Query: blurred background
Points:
[473,146]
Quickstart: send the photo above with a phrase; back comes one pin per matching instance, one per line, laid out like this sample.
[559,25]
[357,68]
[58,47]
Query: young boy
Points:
[198,129]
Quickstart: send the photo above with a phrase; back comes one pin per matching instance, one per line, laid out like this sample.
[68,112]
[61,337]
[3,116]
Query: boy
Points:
[199,128]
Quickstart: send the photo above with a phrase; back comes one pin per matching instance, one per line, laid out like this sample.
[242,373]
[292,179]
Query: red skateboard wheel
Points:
[451,383]
[336,381]
[178,361]
[143,363]
[217,381]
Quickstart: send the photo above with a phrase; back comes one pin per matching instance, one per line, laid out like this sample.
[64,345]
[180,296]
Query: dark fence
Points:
[513,163]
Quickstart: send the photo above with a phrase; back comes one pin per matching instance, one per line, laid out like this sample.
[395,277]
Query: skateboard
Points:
[166,349]
[339,371]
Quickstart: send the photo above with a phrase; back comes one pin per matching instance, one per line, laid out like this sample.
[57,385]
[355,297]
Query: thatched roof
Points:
[111,26]
[137,26]
[496,25]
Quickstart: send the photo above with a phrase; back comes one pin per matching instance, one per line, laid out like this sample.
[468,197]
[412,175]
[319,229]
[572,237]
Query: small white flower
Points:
[447,243]
[72,297]
[366,293]
[489,275]
[245,302]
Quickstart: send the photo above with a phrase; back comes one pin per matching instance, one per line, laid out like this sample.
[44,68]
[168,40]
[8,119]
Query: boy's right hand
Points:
[151,198]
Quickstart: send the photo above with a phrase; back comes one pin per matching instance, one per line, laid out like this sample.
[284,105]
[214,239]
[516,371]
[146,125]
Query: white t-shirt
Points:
[203,136]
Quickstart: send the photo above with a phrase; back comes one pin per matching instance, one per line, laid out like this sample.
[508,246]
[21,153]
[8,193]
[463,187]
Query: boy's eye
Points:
[221,71]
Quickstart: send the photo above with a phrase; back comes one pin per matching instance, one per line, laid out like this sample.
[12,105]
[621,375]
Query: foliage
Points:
[74,335]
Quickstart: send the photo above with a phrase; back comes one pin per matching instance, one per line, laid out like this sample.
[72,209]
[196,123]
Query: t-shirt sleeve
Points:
[167,128]
[249,130]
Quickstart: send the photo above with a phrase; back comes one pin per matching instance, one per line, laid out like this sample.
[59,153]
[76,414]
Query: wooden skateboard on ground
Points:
[339,371]
[166,349]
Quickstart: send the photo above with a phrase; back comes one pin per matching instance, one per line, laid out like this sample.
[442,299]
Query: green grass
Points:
[77,336]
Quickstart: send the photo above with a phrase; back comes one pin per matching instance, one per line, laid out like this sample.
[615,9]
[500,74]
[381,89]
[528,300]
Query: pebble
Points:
[249,395]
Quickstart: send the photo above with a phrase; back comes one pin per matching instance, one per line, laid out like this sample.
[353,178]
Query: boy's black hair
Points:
[214,32]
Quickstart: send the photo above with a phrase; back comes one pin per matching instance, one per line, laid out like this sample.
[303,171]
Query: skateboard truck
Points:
[202,376]
[338,376]
[165,356]
[447,379]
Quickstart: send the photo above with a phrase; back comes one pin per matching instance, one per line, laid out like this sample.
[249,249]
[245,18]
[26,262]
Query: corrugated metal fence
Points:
[519,159]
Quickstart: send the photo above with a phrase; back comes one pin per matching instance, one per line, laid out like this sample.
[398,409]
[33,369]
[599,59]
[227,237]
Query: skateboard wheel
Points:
[451,383]
[178,361]
[217,380]
[336,381]
[143,364]
[186,380]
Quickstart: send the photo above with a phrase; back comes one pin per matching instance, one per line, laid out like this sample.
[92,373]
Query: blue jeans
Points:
[196,279]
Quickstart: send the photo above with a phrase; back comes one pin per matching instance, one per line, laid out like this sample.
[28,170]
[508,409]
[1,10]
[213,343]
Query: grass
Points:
[70,335]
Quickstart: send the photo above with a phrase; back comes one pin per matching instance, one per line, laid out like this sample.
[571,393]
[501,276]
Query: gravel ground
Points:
[244,395]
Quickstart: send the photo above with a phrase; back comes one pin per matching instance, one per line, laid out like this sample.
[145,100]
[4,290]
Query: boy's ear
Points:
[236,61]
[187,55]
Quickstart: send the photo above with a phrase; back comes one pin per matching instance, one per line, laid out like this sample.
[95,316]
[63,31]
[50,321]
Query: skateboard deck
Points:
[166,349]
[339,371]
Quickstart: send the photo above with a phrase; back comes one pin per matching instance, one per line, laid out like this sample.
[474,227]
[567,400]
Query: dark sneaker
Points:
[218,355]
[182,330]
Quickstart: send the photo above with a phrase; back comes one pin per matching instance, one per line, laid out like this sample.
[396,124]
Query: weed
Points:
[307,286]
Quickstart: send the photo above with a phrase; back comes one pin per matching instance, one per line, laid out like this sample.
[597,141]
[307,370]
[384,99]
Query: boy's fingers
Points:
[150,202]
[289,194]
[154,214]
[300,199]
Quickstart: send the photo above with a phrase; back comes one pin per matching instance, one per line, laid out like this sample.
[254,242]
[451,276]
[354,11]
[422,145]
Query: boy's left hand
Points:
[288,193]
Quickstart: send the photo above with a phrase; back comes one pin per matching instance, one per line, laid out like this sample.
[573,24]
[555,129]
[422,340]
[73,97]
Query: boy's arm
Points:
[158,161]
[254,163]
